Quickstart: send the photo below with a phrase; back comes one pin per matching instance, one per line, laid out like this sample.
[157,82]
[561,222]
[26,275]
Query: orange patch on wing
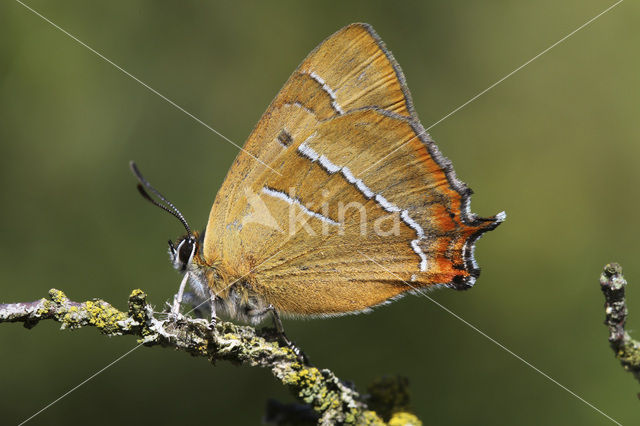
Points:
[440,215]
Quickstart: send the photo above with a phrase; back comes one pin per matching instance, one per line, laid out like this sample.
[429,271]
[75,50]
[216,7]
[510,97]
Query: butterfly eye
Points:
[185,250]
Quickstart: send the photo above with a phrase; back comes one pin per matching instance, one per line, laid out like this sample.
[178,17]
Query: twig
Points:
[627,350]
[331,399]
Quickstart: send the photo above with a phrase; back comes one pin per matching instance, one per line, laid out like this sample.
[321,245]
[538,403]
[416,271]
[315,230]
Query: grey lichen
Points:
[626,349]
[331,399]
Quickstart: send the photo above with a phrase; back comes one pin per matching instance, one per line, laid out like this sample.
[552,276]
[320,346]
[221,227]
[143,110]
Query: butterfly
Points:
[338,202]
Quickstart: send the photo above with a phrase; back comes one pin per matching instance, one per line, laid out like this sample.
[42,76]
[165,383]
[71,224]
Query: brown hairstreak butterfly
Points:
[338,202]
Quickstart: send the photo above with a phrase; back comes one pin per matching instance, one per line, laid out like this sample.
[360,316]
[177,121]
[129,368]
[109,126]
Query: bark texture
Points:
[327,399]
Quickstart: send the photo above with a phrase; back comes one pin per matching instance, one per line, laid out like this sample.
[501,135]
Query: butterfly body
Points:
[339,200]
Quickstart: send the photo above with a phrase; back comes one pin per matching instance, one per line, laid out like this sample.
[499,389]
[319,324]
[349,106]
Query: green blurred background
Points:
[555,146]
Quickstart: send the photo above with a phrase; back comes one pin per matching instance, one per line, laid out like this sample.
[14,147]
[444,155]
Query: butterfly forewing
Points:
[349,70]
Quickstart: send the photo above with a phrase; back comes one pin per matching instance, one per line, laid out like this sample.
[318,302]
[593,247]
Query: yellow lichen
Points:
[367,418]
[306,377]
[137,302]
[46,307]
[402,418]
[136,293]
[57,296]
[104,316]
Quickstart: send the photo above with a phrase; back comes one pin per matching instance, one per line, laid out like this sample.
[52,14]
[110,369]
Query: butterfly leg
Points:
[202,307]
[280,330]
[212,307]
[177,299]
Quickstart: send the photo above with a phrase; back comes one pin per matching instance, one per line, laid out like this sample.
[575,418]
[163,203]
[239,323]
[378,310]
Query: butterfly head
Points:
[183,251]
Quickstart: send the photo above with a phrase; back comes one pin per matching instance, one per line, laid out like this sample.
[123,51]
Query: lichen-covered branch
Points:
[627,350]
[332,401]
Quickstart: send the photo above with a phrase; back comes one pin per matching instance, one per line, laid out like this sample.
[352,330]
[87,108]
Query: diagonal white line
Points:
[524,65]
[80,384]
[498,82]
[500,345]
[136,347]
[145,85]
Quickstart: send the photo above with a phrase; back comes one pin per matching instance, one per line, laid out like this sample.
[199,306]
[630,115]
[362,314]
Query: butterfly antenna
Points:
[167,206]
